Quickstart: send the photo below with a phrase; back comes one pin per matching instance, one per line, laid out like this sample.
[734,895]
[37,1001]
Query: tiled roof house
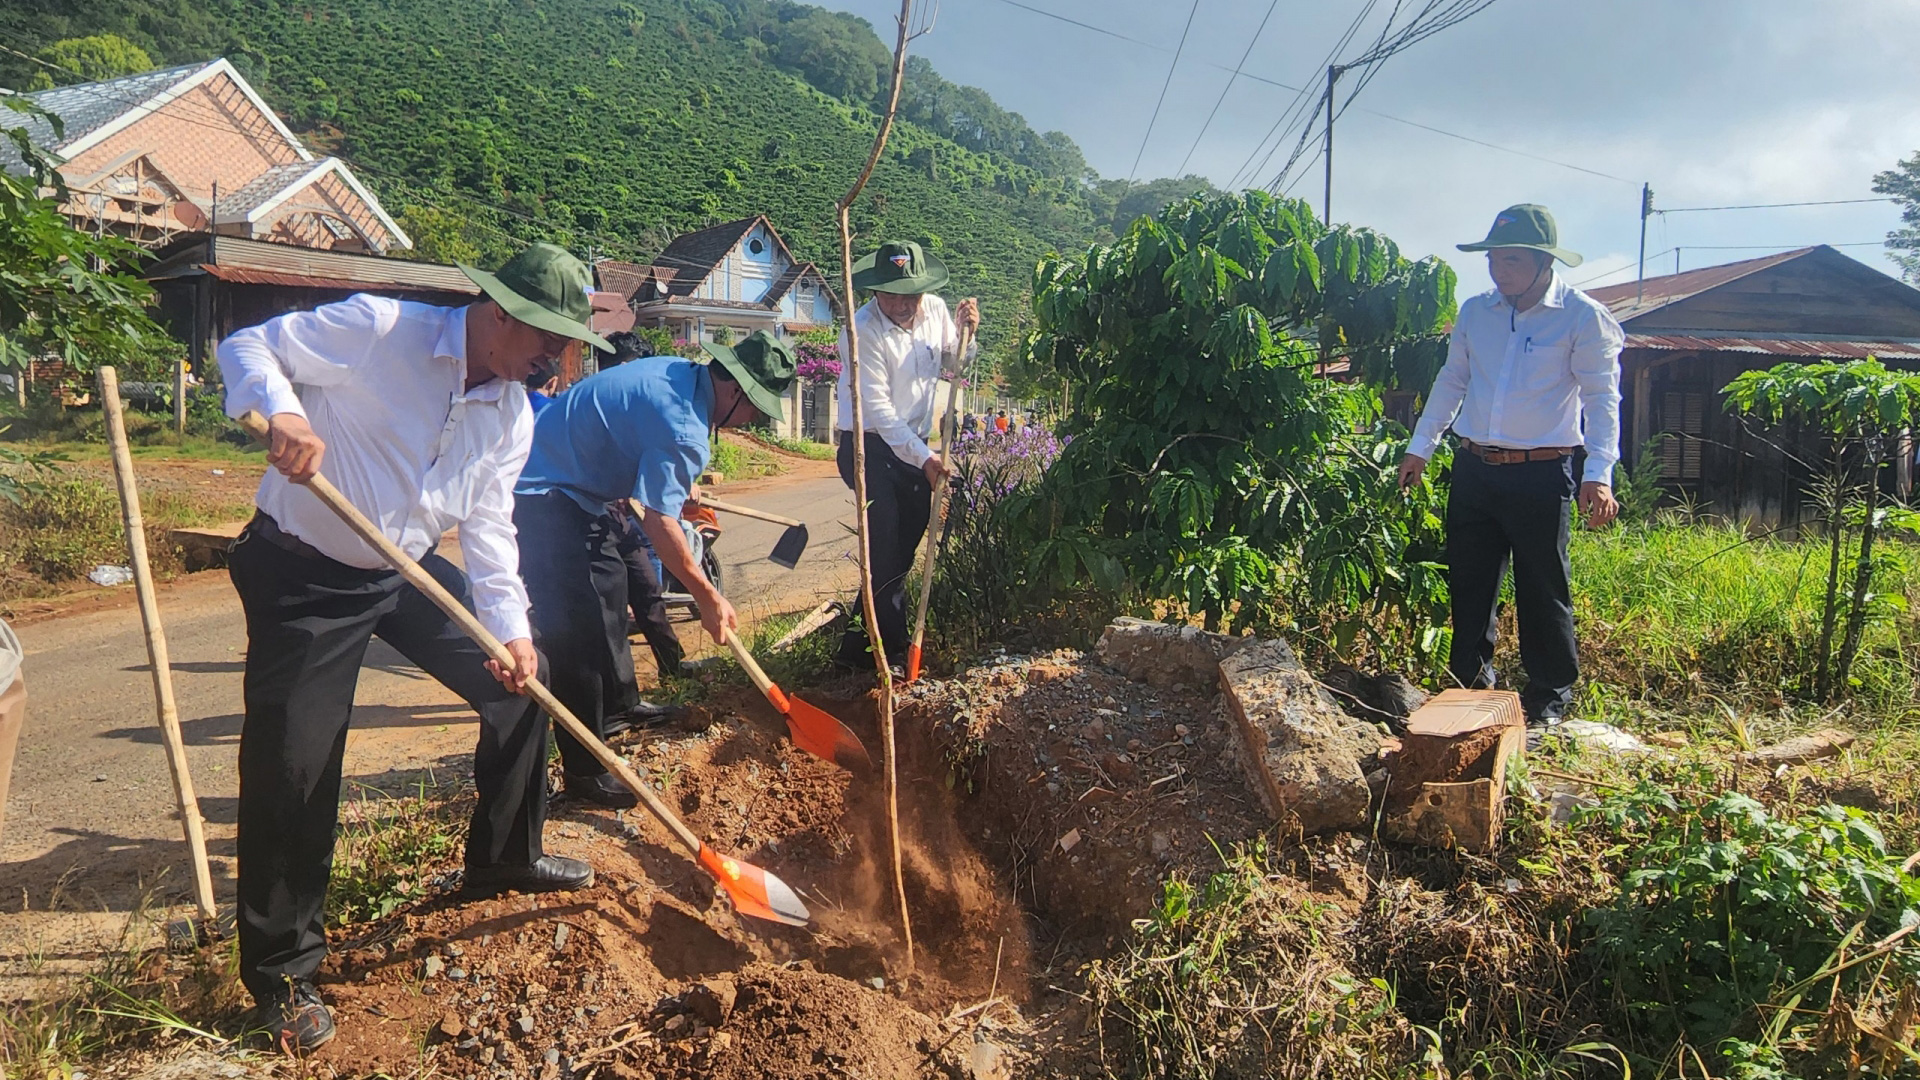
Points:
[195,149]
[740,275]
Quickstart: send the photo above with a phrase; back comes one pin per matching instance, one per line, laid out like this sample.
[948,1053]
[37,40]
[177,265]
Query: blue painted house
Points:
[739,275]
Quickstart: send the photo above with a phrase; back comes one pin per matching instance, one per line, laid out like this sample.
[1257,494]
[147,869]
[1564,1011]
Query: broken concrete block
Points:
[1301,752]
[1447,784]
[1162,654]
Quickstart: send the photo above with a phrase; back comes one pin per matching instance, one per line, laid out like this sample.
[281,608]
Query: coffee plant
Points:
[1213,460]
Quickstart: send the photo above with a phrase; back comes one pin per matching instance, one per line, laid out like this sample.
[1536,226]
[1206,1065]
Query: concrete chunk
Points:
[1162,654]
[1303,753]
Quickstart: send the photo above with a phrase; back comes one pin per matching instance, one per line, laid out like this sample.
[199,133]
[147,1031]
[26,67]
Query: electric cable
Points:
[1171,68]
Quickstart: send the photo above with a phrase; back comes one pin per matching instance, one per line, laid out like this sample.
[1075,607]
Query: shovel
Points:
[813,729]
[935,525]
[753,891]
[792,543]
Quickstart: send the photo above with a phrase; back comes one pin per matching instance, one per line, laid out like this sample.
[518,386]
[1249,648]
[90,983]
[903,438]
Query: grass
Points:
[739,458]
[391,849]
[805,448]
[136,995]
[1698,613]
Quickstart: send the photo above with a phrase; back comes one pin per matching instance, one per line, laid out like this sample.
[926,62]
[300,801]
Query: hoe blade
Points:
[754,891]
[793,544]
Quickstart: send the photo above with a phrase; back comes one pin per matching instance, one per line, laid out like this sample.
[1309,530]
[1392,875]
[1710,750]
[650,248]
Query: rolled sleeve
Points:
[1596,368]
[261,364]
[1444,399]
[666,476]
[491,545]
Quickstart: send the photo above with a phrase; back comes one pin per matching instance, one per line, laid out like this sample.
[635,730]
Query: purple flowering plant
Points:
[817,361]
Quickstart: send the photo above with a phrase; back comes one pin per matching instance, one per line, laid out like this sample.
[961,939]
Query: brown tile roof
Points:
[1797,348]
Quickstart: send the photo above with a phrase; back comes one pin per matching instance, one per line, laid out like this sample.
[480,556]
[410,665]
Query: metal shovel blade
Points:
[754,891]
[823,735]
[793,544]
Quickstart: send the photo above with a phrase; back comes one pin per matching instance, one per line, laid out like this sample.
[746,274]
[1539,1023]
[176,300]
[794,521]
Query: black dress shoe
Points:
[296,1023]
[551,873]
[602,790]
[642,716]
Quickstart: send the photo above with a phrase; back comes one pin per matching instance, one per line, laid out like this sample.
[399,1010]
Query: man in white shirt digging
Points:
[419,416]
[907,338]
[1531,384]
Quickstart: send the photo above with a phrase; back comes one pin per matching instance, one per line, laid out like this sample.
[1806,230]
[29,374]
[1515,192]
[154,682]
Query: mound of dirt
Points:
[1086,786]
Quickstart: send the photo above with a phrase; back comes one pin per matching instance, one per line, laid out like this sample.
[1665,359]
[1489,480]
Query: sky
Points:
[1712,102]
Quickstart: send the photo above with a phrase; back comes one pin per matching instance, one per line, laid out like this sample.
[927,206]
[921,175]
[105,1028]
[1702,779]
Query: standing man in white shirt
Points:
[907,340]
[421,419]
[1531,383]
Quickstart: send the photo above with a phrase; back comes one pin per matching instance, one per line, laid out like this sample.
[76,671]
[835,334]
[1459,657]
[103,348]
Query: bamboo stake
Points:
[862,546]
[157,657]
[937,519]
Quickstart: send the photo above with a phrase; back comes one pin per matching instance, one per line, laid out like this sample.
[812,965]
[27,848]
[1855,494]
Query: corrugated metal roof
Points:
[243,276]
[1631,299]
[1799,348]
[86,107]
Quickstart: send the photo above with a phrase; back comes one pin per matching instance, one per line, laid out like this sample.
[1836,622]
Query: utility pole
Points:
[1646,211]
[1326,205]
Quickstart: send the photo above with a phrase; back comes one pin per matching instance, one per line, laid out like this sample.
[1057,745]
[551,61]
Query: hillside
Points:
[610,125]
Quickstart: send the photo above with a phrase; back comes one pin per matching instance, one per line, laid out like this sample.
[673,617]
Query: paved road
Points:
[91,825]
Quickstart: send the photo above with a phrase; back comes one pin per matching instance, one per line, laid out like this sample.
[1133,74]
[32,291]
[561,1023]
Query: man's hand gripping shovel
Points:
[753,891]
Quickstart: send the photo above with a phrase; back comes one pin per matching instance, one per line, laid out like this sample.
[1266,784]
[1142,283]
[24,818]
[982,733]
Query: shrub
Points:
[1741,933]
[62,528]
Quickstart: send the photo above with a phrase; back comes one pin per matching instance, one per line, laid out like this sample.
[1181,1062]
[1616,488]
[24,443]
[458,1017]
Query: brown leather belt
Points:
[1494,455]
[269,530]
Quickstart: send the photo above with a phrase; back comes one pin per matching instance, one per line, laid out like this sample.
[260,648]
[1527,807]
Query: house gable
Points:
[318,204]
[1812,293]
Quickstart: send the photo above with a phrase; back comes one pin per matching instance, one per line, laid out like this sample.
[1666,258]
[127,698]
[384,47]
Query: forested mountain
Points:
[611,125]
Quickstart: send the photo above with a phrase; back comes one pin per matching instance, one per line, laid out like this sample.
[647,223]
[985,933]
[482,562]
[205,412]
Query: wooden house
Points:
[1689,334]
[194,149]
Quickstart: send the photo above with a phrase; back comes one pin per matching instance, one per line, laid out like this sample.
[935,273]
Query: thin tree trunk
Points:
[869,603]
[1862,576]
[1829,610]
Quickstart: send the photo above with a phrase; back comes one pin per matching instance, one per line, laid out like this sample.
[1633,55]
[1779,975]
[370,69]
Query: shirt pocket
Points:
[456,481]
[1544,360]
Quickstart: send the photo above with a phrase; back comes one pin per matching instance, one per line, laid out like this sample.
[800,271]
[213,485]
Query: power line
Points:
[1772,206]
[1502,149]
[1171,68]
[1293,111]
[1778,247]
[1251,42]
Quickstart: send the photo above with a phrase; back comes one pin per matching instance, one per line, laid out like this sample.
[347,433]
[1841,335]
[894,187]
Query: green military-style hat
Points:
[546,288]
[900,267]
[762,365]
[1525,225]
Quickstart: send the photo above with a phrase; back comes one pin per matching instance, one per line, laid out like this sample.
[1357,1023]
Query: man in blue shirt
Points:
[638,431]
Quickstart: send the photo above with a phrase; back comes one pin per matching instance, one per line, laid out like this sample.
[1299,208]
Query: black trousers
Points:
[1518,514]
[578,585]
[309,621]
[899,503]
[644,598]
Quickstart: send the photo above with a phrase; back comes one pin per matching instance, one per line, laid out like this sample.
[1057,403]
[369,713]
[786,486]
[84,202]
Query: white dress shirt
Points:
[1527,379]
[383,382]
[900,374]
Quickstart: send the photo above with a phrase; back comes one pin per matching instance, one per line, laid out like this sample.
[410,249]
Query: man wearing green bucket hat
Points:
[639,431]
[907,340]
[1531,387]
[421,418]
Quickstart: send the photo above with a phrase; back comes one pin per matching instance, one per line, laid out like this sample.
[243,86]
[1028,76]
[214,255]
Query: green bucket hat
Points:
[1525,225]
[546,288]
[900,267]
[763,367]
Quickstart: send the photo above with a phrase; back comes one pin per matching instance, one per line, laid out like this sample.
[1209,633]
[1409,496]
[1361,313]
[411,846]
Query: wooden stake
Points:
[157,657]
[862,547]
[936,521]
